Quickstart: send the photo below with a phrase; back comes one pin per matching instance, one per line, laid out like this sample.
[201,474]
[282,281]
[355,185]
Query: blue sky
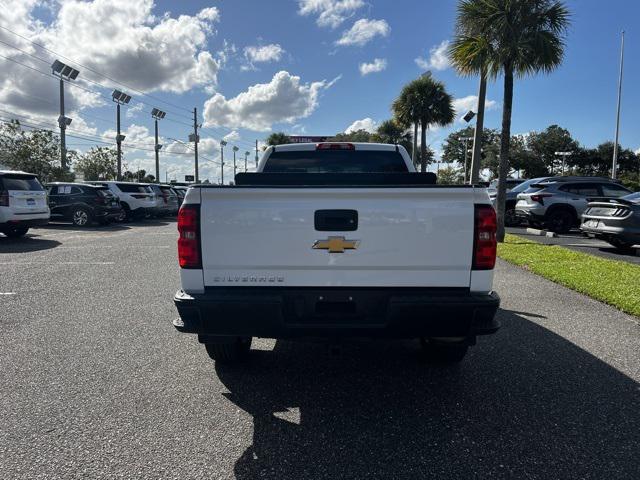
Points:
[303,78]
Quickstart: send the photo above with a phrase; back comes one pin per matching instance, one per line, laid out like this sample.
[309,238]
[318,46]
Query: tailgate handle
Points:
[336,220]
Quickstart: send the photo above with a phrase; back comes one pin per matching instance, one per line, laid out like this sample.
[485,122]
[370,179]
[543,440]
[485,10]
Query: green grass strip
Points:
[610,281]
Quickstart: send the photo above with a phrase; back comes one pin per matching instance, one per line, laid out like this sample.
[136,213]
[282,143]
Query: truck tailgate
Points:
[405,237]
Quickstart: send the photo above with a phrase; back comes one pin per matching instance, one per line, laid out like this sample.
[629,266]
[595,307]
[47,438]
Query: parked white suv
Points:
[137,199]
[23,203]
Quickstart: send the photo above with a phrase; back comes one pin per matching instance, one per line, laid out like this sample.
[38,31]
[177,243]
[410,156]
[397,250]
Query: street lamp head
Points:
[120,97]
[469,116]
[223,143]
[64,71]
[158,114]
[246,153]
[235,149]
[64,121]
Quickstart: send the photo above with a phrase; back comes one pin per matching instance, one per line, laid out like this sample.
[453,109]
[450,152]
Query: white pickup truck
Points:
[336,240]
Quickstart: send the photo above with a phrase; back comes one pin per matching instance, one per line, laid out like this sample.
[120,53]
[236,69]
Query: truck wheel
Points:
[229,352]
[15,232]
[436,352]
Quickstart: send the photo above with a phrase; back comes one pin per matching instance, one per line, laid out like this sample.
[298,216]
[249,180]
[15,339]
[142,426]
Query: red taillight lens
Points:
[484,238]
[189,241]
[335,146]
[539,198]
[4,199]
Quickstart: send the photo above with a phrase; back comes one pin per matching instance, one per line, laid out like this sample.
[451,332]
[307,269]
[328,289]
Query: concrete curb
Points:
[541,233]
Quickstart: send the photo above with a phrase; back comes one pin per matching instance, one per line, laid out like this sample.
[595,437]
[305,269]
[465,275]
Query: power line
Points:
[219,133]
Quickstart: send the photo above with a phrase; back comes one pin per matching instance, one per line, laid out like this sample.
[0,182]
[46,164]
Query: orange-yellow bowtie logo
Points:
[336,244]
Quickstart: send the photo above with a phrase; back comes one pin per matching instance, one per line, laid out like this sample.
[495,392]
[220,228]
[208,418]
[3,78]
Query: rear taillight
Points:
[4,199]
[189,241]
[335,146]
[484,238]
[539,197]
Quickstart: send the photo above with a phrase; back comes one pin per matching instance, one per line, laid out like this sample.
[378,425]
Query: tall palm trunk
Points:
[423,146]
[505,136]
[414,151]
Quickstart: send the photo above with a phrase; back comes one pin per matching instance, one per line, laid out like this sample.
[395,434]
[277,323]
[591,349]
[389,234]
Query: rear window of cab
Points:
[335,161]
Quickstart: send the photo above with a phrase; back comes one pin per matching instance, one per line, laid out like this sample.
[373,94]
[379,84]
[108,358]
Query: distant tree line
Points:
[38,151]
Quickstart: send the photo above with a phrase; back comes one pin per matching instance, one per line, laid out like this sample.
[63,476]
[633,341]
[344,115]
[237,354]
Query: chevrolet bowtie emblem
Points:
[336,244]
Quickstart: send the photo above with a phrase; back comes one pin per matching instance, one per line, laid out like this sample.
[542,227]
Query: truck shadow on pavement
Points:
[525,403]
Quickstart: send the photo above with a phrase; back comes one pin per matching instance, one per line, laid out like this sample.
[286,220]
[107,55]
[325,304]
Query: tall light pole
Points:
[614,166]
[222,145]
[121,99]
[564,155]
[65,73]
[246,154]
[466,141]
[235,168]
[157,115]
[476,157]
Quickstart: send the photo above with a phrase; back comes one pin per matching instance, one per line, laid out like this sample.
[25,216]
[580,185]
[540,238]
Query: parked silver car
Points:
[558,204]
[616,221]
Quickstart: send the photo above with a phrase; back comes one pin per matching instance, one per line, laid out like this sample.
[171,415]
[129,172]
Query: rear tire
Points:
[16,232]
[443,353]
[229,352]
[560,221]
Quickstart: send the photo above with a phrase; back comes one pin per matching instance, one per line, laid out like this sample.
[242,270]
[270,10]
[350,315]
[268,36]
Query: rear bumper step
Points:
[285,312]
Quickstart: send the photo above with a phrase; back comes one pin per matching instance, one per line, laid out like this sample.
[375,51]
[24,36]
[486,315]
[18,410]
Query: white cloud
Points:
[377,65]
[637,151]
[133,111]
[122,39]
[265,53]
[232,136]
[470,102]
[438,58]
[368,124]
[284,99]
[331,13]
[363,31]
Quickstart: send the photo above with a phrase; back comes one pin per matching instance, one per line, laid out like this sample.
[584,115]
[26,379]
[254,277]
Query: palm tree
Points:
[277,138]
[426,101]
[519,38]
[404,114]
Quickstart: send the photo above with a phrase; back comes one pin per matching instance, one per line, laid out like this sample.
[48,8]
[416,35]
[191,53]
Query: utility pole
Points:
[157,115]
[119,98]
[614,166]
[222,145]
[246,154]
[64,72]
[235,168]
[256,154]
[196,139]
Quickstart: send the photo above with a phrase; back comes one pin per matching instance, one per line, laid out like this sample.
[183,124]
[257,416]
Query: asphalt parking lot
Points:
[575,240]
[97,384]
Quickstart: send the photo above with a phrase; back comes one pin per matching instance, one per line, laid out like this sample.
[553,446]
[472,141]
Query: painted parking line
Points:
[57,263]
[7,293]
